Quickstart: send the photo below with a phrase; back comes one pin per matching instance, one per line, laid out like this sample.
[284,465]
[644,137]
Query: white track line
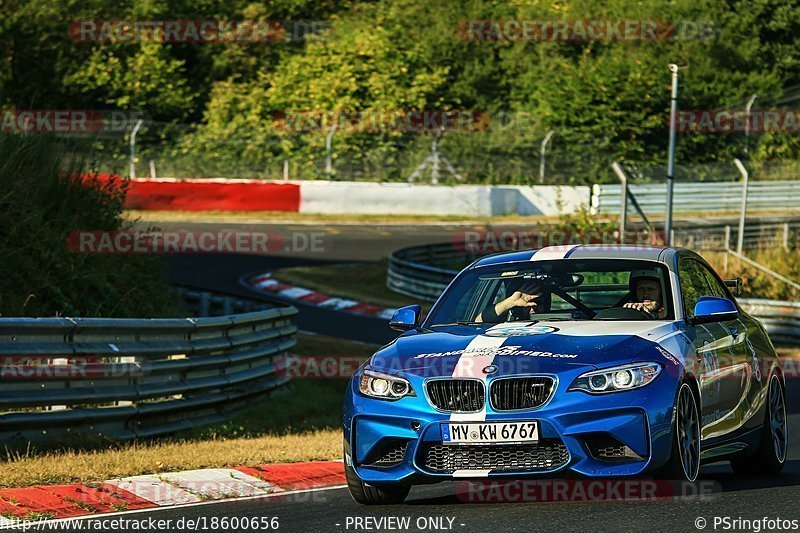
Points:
[184,506]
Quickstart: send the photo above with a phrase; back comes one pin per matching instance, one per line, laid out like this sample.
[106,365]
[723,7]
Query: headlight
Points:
[384,386]
[618,378]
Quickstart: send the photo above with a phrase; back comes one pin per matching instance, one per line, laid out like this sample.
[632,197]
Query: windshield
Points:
[599,289]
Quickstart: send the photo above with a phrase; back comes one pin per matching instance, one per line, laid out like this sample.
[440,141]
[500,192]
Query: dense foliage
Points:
[212,107]
[43,201]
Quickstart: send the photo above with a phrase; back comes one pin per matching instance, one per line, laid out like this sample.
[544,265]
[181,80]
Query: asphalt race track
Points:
[221,273]
[341,243]
[333,509]
[427,507]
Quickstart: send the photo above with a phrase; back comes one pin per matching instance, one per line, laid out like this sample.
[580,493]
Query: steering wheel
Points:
[624,313]
[647,313]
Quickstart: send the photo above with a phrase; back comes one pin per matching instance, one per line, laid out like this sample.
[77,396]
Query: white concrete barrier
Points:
[341,197]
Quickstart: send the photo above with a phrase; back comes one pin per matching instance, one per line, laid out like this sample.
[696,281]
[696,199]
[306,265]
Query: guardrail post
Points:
[227,305]
[205,303]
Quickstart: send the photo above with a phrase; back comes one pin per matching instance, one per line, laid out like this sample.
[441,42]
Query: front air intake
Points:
[511,394]
[456,395]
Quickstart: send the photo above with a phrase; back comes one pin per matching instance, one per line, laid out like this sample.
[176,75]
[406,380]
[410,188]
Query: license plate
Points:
[489,432]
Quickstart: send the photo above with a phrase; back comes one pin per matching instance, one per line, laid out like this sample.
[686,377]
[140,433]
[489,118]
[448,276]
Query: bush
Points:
[43,199]
[756,283]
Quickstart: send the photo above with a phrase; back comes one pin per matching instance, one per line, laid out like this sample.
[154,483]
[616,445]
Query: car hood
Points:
[519,347]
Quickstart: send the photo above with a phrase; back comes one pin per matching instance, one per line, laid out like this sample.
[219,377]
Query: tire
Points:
[770,456]
[366,494]
[684,461]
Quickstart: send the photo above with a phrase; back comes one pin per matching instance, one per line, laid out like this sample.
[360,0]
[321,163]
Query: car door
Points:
[711,342]
[743,374]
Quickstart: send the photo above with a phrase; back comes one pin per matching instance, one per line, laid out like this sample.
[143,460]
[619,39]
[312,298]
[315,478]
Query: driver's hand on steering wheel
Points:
[647,306]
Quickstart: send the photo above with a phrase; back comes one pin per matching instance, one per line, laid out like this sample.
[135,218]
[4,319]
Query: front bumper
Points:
[577,432]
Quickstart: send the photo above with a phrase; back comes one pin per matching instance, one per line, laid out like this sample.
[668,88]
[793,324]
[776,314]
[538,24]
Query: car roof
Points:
[577,251]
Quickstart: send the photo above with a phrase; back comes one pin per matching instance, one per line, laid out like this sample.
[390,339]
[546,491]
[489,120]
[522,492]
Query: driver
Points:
[528,299]
[645,287]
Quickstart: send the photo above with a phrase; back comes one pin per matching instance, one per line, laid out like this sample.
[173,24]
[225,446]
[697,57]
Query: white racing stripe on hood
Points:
[553,252]
[471,366]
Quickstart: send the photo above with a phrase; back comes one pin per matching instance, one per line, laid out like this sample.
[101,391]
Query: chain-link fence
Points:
[508,152]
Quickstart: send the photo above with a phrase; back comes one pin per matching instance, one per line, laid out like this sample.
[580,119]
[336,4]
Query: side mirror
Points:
[735,285]
[405,318]
[713,309]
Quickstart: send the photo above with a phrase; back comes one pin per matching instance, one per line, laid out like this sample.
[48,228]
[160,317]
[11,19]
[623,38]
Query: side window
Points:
[693,284]
[470,303]
[717,289]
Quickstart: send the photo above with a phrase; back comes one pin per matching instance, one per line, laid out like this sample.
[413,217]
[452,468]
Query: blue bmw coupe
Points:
[595,360]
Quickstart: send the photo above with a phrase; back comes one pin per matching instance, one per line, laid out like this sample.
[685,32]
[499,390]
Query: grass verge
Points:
[365,282]
[302,423]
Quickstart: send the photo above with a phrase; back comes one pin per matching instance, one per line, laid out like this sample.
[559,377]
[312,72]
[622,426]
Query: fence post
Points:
[673,113]
[745,183]
[132,169]
[727,245]
[786,235]
[328,150]
[542,153]
[623,211]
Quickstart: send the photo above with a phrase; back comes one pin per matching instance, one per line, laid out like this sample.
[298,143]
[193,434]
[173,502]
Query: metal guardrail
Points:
[424,271]
[700,197]
[782,319]
[408,276]
[205,303]
[119,379]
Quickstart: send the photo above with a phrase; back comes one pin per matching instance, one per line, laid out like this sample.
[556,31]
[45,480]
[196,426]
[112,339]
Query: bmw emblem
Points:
[491,369]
